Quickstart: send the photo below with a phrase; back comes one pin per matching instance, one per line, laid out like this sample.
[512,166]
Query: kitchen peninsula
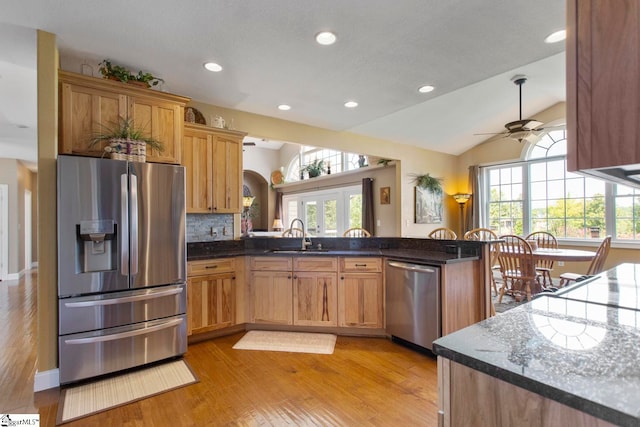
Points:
[569,358]
[355,263]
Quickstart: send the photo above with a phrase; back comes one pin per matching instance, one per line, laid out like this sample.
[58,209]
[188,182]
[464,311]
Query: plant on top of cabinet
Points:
[315,168]
[119,73]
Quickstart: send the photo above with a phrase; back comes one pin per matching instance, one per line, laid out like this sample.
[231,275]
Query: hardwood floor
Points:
[366,382]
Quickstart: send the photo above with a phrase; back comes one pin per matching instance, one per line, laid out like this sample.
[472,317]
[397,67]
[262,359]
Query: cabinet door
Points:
[271,296]
[84,112]
[197,157]
[162,121]
[360,303]
[227,174]
[315,299]
[211,302]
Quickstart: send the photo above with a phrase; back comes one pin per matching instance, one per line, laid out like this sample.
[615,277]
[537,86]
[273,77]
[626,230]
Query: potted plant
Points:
[429,183]
[125,141]
[121,74]
[315,168]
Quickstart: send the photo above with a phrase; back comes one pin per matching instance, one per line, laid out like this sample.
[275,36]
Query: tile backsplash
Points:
[209,227]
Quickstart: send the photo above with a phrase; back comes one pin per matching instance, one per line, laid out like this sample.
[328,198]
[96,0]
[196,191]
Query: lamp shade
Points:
[247,201]
[277,224]
[462,198]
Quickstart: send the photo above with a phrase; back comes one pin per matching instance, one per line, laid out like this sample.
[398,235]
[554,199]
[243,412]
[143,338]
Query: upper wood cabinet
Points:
[603,102]
[88,104]
[213,159]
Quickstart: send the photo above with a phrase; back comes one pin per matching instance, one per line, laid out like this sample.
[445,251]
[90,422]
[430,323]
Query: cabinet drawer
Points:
[271,263]
[307,263]
[355,265]
[211,266]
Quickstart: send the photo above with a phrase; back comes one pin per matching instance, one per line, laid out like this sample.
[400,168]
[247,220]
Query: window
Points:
[540,195]
[337,161]
[325,213]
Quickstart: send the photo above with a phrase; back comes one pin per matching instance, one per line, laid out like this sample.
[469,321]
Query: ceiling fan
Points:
[520,130]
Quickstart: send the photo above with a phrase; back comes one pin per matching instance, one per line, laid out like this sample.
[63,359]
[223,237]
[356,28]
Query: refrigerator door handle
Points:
[134,298]
[129,334]
[134,224]
[124,222]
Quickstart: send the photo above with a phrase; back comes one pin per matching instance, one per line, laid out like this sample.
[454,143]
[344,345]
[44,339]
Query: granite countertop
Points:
[410,255]
[580,347]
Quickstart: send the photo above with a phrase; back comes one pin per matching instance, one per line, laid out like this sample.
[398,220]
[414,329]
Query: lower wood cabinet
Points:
[271,294]
[361,293]
[315,299]
[210,295]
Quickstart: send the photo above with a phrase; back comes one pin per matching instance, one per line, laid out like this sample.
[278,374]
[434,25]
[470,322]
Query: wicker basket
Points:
[128,149]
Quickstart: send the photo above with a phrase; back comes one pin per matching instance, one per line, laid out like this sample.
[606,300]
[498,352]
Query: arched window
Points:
[334,162]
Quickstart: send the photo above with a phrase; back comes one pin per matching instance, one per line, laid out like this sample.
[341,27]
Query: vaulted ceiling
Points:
[467,49]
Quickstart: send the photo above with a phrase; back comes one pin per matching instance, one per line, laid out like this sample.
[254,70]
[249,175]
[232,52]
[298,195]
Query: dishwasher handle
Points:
[411,267]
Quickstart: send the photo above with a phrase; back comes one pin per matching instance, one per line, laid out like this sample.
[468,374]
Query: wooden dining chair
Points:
[596,266]
[356,232]
[443,233]
[487,235]
[544,240]
[518,268]
[293,232]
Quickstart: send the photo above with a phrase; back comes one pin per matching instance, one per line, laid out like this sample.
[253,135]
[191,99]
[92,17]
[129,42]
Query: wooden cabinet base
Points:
[471,398]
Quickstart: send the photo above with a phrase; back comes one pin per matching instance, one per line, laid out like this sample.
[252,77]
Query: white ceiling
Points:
[468,49]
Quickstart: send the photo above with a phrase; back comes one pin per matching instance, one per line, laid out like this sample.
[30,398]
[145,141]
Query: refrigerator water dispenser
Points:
[95,250]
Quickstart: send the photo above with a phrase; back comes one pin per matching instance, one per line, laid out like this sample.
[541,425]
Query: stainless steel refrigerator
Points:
[121,265]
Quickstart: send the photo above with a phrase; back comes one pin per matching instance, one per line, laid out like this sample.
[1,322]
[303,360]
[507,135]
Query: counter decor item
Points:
[124,141]
[277,177]
[315,168]
[121,74]
[193,115]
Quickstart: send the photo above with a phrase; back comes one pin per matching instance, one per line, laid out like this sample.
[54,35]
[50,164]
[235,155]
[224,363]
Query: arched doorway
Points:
[258,187]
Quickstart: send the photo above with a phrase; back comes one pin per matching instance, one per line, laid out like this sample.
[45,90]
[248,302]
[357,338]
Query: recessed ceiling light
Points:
[351,104]
[284,107]
[426,89]
[212,66]
[556,37]
[326,38]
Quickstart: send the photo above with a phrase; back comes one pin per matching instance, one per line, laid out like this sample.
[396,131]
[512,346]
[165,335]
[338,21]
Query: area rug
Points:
[88,399]
[294,342]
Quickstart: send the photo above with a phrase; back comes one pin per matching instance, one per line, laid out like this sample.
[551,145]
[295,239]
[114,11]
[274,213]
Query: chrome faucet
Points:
[306,241]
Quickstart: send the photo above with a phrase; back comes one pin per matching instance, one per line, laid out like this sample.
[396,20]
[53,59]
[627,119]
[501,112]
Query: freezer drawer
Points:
[94,312]
[101,352]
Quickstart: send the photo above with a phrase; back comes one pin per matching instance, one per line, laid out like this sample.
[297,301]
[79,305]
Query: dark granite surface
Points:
[582,353]
[416,250]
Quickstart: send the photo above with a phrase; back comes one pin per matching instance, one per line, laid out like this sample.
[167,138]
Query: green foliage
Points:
[384,162]
[316,168]
[428,183]
[123,129]
[118,72]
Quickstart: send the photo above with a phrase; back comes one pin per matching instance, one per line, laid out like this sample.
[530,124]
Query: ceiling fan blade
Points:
[492,133]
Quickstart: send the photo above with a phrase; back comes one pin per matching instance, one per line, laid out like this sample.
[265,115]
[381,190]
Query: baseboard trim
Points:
[46,380]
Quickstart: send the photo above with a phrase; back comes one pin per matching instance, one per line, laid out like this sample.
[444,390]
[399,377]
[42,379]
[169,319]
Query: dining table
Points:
[567,255]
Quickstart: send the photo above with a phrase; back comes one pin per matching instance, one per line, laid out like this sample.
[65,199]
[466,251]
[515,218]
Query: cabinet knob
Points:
[209,208]
[341,277]
[289,276]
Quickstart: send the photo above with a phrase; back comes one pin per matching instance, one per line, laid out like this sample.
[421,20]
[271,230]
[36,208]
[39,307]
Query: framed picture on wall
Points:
[385,195]
[429,207]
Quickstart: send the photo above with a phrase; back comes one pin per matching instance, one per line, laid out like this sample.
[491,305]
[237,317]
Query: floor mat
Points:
[295,342]
[87,399]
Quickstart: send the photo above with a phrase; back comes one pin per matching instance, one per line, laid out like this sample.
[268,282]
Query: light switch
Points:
[378,223]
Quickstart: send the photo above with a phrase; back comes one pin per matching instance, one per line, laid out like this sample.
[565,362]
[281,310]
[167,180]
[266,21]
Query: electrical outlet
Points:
[560,263]
[214,232]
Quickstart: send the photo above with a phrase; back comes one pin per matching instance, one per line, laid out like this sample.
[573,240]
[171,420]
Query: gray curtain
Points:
[474,208]
[368,220]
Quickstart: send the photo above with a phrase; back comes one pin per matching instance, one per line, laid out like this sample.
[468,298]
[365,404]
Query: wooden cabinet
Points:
[603,64]
[471,398]
[361,293]
[271,293]
[210,295]
[213,159]
[89,104]
[315,291]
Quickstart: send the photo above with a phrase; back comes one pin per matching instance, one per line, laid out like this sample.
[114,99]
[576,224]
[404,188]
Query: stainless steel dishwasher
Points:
[413,302]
